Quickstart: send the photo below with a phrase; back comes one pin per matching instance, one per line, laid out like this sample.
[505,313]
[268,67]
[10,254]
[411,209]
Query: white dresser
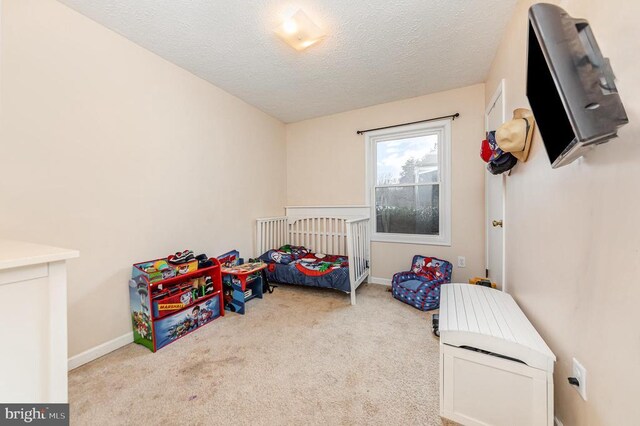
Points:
[33,322]
[495,369]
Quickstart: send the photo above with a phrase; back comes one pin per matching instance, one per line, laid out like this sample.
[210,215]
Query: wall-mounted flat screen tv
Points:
[570,85]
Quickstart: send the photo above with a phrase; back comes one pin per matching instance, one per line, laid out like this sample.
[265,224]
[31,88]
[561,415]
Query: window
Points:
[408,183]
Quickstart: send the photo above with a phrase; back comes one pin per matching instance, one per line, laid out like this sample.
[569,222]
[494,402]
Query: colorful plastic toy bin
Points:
[186,268]
[154,270]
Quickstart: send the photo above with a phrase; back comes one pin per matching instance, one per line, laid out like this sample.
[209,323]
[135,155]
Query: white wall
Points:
[326,166]
[573,240]
[111,150]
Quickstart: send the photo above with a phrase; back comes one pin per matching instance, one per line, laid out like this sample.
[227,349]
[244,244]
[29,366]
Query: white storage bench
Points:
[495,369]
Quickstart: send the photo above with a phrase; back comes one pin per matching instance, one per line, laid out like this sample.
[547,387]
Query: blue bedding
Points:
[308,269]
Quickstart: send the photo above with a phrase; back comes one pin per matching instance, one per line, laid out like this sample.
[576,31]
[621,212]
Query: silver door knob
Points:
[497,223]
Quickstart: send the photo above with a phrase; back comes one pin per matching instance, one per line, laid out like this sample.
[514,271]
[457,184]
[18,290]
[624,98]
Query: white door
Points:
[494,198]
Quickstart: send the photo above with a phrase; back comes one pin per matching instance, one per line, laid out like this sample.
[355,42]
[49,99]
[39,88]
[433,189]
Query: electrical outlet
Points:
[580,373]
[462,262]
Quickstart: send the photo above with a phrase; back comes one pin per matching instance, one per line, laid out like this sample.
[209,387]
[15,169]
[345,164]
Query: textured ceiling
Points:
[376,50]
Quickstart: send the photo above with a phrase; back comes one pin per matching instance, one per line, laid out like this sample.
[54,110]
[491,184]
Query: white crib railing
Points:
[321,234]
[272,232]
[358,240]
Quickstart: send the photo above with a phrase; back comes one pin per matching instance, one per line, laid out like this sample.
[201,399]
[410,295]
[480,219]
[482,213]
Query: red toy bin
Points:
[173,299]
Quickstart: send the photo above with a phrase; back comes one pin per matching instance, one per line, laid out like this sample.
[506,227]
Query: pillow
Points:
[428,268]
[297,252]
[277,256]
[285,254]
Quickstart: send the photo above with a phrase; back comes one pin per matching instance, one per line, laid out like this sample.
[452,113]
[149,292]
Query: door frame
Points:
[500,91]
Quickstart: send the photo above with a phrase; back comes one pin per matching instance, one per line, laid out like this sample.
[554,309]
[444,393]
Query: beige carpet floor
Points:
[300,356]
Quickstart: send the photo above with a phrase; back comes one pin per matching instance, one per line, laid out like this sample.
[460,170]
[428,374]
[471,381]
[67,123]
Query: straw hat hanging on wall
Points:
[515,135]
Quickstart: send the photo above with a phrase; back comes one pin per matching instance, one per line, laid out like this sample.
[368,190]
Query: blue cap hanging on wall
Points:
[500,161]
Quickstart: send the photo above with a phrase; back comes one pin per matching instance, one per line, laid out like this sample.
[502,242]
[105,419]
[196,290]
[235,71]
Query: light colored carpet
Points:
[299,356]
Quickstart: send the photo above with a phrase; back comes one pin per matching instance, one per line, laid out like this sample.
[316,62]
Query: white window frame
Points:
[443,128]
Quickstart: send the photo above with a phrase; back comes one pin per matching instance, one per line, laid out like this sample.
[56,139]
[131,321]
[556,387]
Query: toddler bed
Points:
[317,246]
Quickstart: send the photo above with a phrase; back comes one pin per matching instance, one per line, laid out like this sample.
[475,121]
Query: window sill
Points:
[410,239]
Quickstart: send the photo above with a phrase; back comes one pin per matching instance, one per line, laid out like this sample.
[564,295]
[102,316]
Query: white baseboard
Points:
[557,422]
[381,281]
[100,350]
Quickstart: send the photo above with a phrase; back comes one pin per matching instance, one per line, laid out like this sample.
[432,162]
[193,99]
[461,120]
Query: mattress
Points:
[313,270]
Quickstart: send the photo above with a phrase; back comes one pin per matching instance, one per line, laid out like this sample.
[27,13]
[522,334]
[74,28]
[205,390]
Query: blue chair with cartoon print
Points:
[420,286]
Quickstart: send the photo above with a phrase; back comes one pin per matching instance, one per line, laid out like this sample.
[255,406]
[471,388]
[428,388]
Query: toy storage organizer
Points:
[169,304]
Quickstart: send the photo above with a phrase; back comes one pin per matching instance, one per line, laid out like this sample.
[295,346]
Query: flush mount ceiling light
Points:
[299,31]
